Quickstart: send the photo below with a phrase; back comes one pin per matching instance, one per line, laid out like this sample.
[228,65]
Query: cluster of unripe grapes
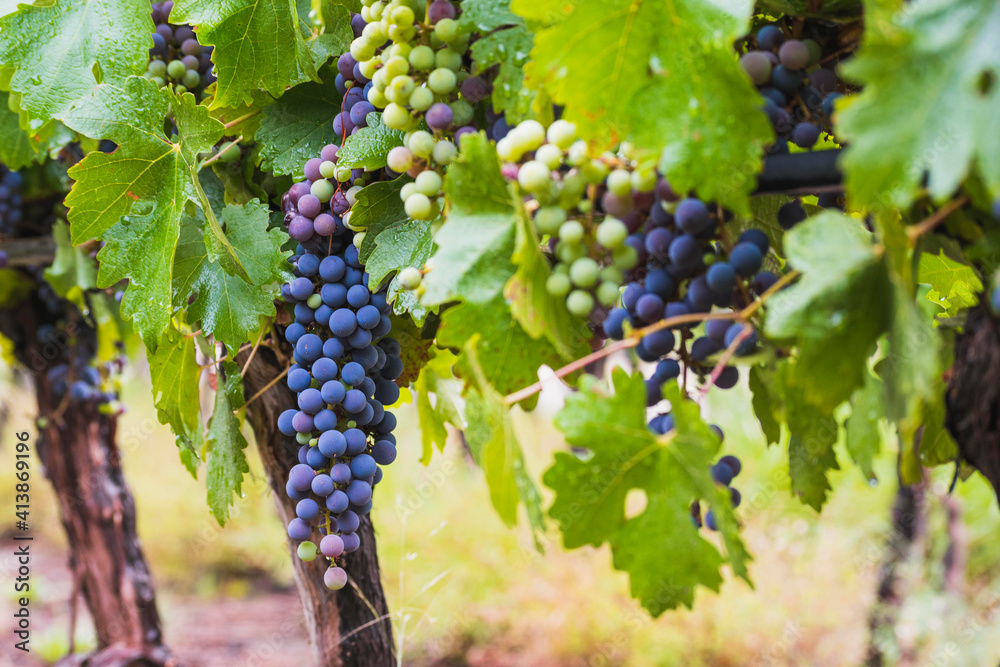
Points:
[176,58]
[799,93]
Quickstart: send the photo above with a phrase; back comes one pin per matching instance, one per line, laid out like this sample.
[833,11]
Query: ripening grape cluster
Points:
[177,59]
[799,93]
[344,374]
[410,56]
[723,473]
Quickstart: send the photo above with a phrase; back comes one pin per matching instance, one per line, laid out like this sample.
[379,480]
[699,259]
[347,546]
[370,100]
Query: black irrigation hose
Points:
[800,173]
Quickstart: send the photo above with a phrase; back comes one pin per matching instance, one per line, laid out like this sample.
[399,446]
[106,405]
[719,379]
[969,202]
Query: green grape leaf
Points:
[416,350]
[258,45]
[227,460]
[54,54]
[435,378]
[510,358]
[538,312]
[20,148]
[332,36]
[392,241]
[494,445]
[912,367]
[228,307]
[840,303]
[296,127]
[668,81]
[861,429]
[928,109]
[660,548]
[954,286]
[368,147]
[487,15]
[72,271]
[764,404]
[134,198]
[509,49]
[810,448]
[475,244]
[174,372]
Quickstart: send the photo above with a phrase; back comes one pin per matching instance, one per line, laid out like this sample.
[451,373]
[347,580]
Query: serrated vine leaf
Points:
[368,147]
[475,244]
[258,45]
[173,372]
[296,127]
[862,432]
[509,357]
[954,286]
[134,198]
[840,303]
[227,307]
[764,405]
[810,448]
[19,147]
[929,104]
[660,548]
[494,445]
[56,53]
[641,87]
[508,48]
[227,462]
[72,271]
[435,403]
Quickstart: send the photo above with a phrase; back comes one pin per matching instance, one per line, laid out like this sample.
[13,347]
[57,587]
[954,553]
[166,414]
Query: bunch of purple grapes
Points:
[799,93]
[176,58]
[344,376]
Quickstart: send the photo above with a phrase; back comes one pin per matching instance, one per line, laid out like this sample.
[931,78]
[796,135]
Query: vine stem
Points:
[234,123]
[727,354]
[914,232]
[633,338]
[222,150]
[253,352]
[266,387]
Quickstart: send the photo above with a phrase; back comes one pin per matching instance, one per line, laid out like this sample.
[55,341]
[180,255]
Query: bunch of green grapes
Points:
[587,207]
[419,81]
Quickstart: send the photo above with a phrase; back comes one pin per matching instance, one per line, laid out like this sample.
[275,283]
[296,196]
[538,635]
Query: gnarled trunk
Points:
[349,627]
[76,445]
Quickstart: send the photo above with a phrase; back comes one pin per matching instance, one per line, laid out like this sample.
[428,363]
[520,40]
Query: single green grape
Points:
[428,183]
[580,303]
[418,206]
[548,219]
[442,81]
[625,257]
[314,301]
[157,68]
[571,232]
[611,233]
[549,155]
[307,551]
[421,99]
[302,438]
[444,152]
[448,59]
[323,190]
[446,29]
[176,69]
[191,79]
[421,143]
[328,169]
[562,133]
[395,116]
[410,278]
[422,58]
[534,176]
[608,292]
[620,182]
[558,284]
[583,272]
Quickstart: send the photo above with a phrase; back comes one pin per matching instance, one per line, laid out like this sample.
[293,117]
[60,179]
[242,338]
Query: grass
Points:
[467,590]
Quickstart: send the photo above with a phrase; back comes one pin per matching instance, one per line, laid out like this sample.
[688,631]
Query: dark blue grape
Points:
[700,295]
[757,237]
[352,373]
[333,348]
[733,463]
[612,325]
[668,369]
[322,485]
[704,347]
[315,459]
[722,474]
[307,509]
[299,379]
[359,492]
[659,282]
[721,277]
[303,422]
[728,378]
[285,422]
[657,242]
[649,307]
[341,473]
[311,401]
[685,251]
[368,316]
[356,439]
[368,357]
[301,477]
[301,288]
[747,345]
[338,501]
[348,521]
[658,343]
[299,530]
[334,295]
[746,258]
[384,452]
[333,392]
[343,322]
[325,420]
[692,216]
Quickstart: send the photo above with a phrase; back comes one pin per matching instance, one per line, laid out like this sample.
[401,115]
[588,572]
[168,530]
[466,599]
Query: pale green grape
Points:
[611,233]
[428,183]
[583,272]
[418,206]
[579,303]
[558,284]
